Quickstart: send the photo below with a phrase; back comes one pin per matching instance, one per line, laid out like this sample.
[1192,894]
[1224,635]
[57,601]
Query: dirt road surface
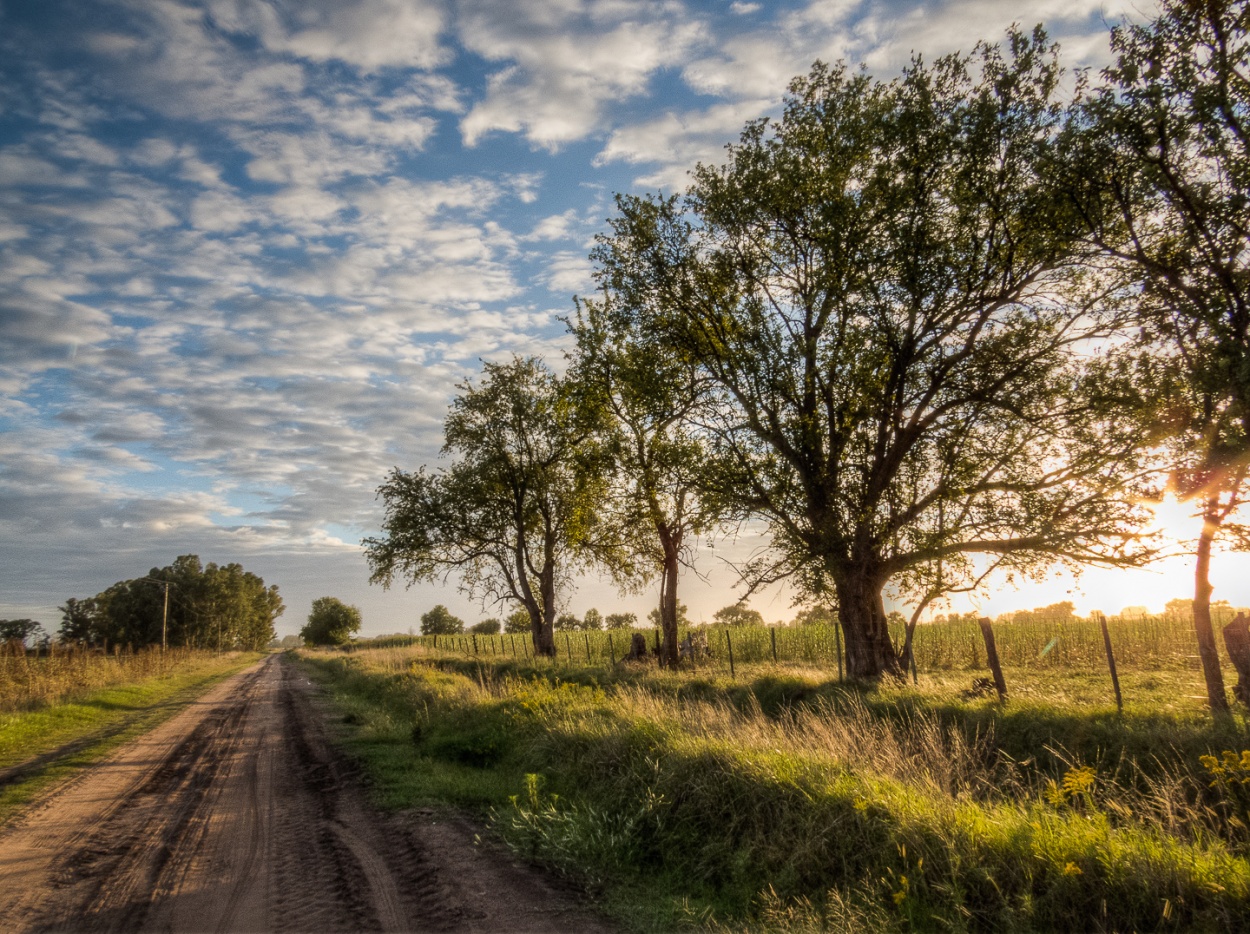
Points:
[236,815]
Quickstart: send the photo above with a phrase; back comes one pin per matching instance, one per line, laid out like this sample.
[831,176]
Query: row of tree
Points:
[186,603]
[924,330]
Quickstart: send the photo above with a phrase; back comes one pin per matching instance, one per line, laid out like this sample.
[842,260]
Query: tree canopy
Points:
[738,614]
[209,606]
[622,620]
[439,621]
[331,622]
[891,294]
[20,630]
[514,515]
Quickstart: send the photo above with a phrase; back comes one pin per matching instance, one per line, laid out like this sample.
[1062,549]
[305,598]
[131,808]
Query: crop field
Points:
[1145,643]
[59,672]
[783,799]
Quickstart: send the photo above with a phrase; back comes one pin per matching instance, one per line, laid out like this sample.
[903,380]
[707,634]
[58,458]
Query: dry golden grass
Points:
[62,672]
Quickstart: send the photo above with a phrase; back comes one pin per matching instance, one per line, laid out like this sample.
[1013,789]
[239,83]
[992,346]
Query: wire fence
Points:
[1039,643]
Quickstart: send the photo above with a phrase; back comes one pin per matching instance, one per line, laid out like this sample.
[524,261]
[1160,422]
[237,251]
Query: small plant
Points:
[1229,776]
[1075,789]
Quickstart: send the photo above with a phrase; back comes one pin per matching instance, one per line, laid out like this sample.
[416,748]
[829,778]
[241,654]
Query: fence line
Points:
[1070,644]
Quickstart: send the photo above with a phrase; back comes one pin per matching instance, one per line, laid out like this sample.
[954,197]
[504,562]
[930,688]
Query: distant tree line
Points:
[186,603]
[923,330]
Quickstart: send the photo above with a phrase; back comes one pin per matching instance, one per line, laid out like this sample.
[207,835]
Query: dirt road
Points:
[236,815]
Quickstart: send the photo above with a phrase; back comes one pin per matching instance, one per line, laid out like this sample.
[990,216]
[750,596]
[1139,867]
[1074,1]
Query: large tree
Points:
[664,474]
[517,510]
[888,290]
[1163,179]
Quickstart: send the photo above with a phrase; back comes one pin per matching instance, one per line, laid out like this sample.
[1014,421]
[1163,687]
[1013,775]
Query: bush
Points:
[331,622]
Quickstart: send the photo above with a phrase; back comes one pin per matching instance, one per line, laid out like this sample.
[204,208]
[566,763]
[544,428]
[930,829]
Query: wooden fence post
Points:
[772,632]
[611,649]
[587,635]
[991,655]
[568,647]
[1115,678]
[730,645]
[475,643]
[837,642]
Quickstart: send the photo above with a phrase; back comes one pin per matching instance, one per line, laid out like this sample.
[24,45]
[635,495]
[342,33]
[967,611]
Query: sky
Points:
[249,249]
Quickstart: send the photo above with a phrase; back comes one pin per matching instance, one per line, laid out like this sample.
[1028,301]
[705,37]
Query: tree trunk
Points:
[668,597]
[869,652]
[1208,652]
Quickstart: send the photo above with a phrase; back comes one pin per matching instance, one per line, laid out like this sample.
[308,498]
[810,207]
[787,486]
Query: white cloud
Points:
[369,34]
[568,273]
[566,63]
[676,142]
[555,227]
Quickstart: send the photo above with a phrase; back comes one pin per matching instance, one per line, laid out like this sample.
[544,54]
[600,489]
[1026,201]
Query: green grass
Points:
[782,800]
[40,748]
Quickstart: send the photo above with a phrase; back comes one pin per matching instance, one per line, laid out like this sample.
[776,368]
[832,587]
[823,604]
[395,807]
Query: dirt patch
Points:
[236,815]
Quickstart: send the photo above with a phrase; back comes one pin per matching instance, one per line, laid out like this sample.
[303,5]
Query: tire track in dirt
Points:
[237,815]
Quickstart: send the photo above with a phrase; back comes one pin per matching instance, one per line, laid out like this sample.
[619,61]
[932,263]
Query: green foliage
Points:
[518,621]
[622,620]
[654,617]
[888,276]
[487,627]
[738,614]
[1062,612]
[77,619]
[524,493]
[479,737]
[816,616]
[440,622]
[593,620]
[20,630]
[1229,776]
[209,606]
[568,622]
[331,622]
[666,473]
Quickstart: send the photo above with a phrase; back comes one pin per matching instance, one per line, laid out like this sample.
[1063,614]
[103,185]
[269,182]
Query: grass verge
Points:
[781,801]
[40,748]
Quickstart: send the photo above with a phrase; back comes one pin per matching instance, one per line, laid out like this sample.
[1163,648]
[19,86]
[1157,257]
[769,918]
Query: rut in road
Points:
[236,815]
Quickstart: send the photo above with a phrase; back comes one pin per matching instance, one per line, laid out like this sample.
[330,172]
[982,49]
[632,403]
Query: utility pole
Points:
[165,615]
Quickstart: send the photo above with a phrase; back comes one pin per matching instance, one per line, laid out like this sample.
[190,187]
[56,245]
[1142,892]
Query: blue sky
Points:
[247,249]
